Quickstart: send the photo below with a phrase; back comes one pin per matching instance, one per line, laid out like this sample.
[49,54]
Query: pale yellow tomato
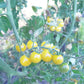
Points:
[49,19]
[58,29]
[61,24]
[57,59]
[46,56]
[23,47]
[52,28]
[25,61]
[59,20]
[35,57]
[43,43]
[30,44]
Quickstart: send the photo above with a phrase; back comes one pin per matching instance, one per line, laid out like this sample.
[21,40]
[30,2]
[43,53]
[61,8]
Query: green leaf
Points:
[4,23]
[3,5]
[38,32]
[57,38]
[81,30]
[33,24]
[76,71]
[58,78]
[34,9]
[1,34]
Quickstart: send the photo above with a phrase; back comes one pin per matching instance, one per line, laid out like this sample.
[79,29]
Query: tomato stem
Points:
[11,19]
[73,22]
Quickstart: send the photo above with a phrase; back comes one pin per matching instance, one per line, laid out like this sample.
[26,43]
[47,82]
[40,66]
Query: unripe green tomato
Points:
[64,68]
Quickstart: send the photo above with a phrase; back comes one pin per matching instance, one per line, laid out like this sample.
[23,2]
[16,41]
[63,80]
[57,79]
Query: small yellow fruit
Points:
[35,57]
[49,19]
[25,61]
[23,47]
[61,24]
[57,59]
[52,28]
[30,44]
[58,29]
[46,56]
[59,20]
[43,43]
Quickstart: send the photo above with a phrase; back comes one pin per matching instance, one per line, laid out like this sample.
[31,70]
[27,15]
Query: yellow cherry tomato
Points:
[49,19]
[30,44]
[59,20]
[23,47]
[57,59]
[46,56]
[61,24]
[52,28]
[43,43]
[25,61]
[58,29]
[35,57]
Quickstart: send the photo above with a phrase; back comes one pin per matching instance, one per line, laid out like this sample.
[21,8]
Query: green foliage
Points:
[4,23]
[35,9]
[35,28]
[2,5]
[33,25]
[81,30]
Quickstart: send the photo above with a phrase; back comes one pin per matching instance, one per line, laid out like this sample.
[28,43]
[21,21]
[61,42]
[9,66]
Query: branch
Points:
[73,22]
[11,19]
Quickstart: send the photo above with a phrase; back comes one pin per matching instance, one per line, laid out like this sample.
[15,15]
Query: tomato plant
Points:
[44,48]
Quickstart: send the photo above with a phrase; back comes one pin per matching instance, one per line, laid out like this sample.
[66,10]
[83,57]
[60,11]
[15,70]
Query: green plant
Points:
[48,49]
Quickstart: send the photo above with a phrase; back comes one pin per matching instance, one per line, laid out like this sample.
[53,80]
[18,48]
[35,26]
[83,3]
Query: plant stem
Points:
[3,65]
[11,19]
[73,22]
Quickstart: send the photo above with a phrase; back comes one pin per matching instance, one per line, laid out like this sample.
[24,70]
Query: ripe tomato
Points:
[23,47]
[46,45]
[58,29]
[46,56]
[57,59]
[30,44]
[25,61]
[49,19]
[52,28]
[35,57]
[59,20]
[43,43]
[61,24]
[64,68]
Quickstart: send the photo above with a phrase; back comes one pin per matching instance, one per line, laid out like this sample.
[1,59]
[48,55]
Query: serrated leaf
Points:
[38,32]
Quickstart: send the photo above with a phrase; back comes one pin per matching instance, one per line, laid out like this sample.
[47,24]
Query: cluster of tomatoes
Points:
[45,55]
[59,24]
